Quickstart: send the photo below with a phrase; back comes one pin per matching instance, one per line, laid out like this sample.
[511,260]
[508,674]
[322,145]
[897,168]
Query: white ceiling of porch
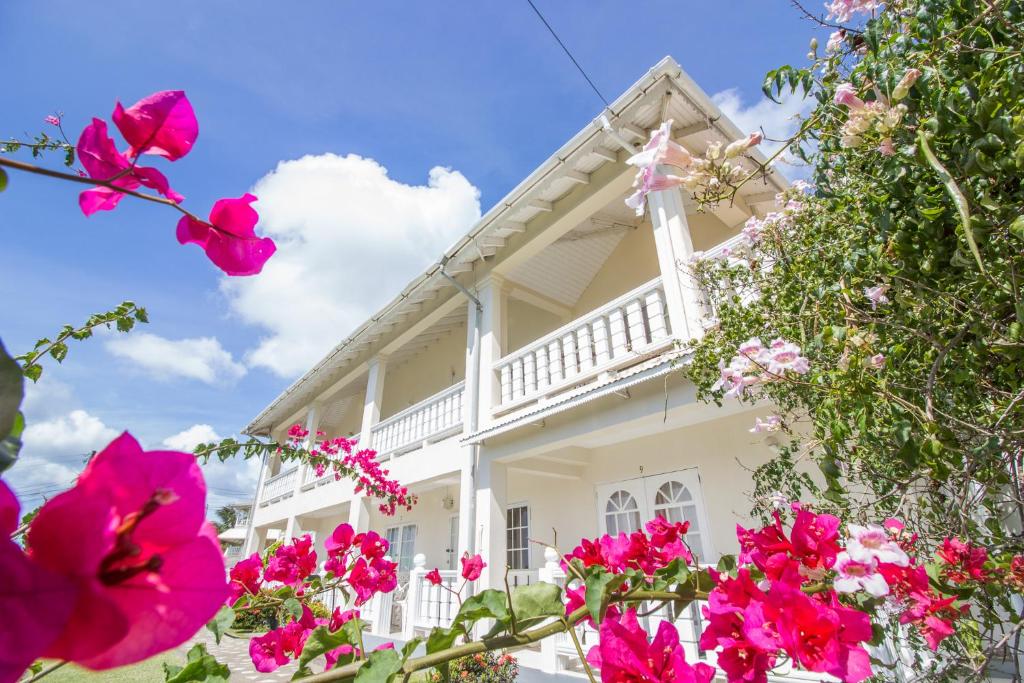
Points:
[564,269]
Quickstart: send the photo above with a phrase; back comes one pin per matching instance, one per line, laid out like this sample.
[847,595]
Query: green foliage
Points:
[486,667]
[40,145]
[12,423]
[123,318]
[221,622]
[200,667]
[261,617]
[933,435]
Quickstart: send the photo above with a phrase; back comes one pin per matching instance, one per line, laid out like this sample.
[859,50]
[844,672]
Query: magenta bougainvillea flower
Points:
[102,161]
[26,628]
[245,578]
[291,564]
[433,576]
[131,537]
[229,238]
[624,655]
[162,124]
[472,567]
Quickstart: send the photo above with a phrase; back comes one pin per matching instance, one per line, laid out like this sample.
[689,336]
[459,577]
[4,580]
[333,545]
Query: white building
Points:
[530,384]
[233,538]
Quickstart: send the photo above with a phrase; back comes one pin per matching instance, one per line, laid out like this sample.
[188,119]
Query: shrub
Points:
[486,667]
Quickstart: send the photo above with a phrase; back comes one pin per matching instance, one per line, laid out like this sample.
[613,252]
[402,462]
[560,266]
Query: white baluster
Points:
[556,370]
[617,331]
[635,321]
[569,355]
[529,374]
[585,348]
[506,383]
[602,350]
[655,307]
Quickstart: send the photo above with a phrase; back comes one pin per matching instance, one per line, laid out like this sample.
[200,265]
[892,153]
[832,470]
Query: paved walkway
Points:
[235,653]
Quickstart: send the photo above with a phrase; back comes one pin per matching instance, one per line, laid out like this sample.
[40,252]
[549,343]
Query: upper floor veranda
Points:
[558,290]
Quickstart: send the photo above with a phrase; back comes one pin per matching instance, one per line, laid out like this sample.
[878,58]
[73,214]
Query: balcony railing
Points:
[429,420]
[279,486]
[619,331]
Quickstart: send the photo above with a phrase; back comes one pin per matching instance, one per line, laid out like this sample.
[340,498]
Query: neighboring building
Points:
[561,404]
[232,539]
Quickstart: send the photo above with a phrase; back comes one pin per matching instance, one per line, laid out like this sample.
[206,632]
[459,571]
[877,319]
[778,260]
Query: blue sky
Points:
[477,88]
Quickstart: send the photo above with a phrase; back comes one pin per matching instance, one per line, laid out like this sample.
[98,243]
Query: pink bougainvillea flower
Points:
[34,602]
[624,655]
[132,537]
[52,120]
[372,545]
[340,540]
[267,651]
[229,239]
[102,161]
[292,563]
[876,295]
[433,576]
[472,567]
[162,124]
[963,560]
[245,578]
[369,577]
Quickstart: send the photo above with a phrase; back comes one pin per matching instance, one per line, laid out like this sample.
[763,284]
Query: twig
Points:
[38,170]
[46,672]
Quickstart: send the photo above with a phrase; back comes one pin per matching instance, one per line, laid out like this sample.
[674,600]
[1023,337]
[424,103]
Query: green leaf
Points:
[381,667]
[443,638]
[488,604]
[537,600]
[321,640]
[12,391]
[600,586]
[201,667]
[221,622]
[294,607]
[3,180]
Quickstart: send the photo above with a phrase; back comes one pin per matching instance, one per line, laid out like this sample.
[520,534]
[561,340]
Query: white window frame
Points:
[525,548]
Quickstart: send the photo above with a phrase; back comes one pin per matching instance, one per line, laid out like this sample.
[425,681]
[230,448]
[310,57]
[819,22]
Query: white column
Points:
[491,293]
[470,420]
[291,529]
[251,541]
[491,494]
[374,395]
[675,247]
[359,514]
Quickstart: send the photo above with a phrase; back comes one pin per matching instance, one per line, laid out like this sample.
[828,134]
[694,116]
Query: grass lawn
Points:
[148,671]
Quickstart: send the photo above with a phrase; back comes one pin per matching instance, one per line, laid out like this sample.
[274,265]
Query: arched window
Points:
[621,513]
[675,503]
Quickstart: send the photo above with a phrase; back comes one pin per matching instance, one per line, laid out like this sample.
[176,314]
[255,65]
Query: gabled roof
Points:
[629,118]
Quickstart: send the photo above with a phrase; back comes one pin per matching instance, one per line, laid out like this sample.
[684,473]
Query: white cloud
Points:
[348,237]
[779,121]
[201,358]
[46,398]
[68,437]
[190,438]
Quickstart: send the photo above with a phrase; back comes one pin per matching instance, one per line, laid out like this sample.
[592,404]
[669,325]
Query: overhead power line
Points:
[569,54]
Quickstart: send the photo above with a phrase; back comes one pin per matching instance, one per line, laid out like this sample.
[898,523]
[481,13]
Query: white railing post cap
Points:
[419,561]
[551,556]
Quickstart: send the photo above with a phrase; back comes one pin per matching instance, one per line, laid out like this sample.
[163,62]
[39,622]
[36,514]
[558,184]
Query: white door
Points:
[677,497]
[625,506]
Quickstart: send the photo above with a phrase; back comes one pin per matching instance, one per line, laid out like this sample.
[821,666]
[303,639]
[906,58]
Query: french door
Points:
[625,506]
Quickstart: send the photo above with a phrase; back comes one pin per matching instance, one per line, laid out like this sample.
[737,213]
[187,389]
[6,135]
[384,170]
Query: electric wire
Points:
[569,54]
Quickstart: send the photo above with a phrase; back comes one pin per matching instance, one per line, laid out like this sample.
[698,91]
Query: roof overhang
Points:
[605,139]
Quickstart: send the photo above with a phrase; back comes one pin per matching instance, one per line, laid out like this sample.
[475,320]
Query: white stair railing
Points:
[429,420]
[610,336]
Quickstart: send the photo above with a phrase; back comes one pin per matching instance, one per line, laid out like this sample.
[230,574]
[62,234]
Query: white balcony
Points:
[430,420]
[619,333]
[279,486]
